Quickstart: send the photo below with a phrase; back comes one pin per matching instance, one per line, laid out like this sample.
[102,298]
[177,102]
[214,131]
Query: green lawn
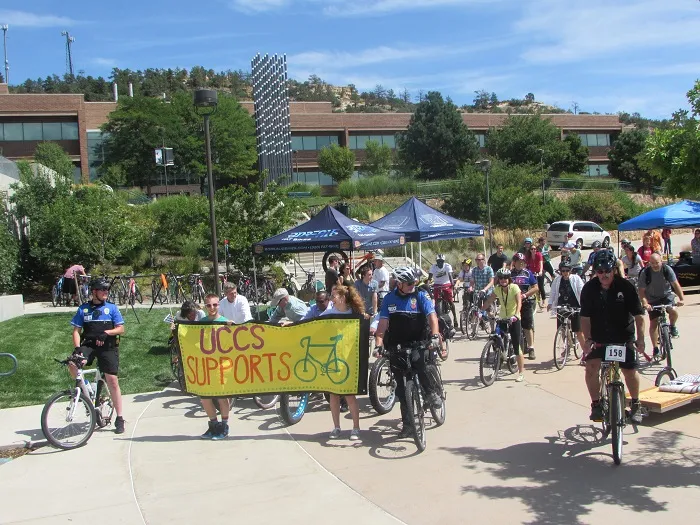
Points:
[37,339]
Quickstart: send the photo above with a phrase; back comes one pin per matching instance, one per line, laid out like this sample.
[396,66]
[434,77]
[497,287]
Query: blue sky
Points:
[606,55]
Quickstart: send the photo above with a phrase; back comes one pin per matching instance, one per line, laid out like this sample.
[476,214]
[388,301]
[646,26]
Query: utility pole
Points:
[69,55]
[7,63]
[542,173]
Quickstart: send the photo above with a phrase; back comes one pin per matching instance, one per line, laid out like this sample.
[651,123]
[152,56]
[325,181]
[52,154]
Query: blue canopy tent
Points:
[682,214]
[419,222]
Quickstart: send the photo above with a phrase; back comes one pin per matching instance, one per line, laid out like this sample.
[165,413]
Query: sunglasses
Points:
[212,305]
[601,272]
[533,249]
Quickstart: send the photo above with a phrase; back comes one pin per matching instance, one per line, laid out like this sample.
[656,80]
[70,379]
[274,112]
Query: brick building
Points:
[26,120]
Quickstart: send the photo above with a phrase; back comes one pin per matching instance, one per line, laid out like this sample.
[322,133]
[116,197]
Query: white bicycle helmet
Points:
[503,273]
[404,274]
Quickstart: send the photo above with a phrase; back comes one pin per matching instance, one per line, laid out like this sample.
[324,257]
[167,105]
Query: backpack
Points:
[664,269]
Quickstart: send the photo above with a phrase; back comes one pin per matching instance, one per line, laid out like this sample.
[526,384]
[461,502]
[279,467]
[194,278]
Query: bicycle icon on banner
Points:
[336,369]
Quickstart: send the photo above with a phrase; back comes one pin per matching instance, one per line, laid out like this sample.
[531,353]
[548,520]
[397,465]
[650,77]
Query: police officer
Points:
[96,326]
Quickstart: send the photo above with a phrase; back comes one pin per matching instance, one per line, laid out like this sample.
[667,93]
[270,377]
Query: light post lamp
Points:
[205,102]
[542,173]
[485,165]
[296,163]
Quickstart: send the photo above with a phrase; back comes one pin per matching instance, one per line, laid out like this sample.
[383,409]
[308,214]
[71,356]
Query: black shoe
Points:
[211,431]
[636,415]
[435,400]
[406,431]
[119,425]
[596,412]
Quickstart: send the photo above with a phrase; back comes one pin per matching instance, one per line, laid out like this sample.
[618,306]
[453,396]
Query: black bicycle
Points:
[565,342]
[382,384]
[612,397]
[416,394]
[668,373]
[498,349]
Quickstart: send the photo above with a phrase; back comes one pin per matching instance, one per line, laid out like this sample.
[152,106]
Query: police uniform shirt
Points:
[407,316]
[94,319]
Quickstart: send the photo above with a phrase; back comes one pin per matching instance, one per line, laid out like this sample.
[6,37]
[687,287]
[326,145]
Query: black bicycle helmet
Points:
[503,273]
[440,257]
[597,244]
[604,260]
[404,274]
[565,264]
[99,284]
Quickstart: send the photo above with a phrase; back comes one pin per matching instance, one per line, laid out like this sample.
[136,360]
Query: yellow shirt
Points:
[509,300]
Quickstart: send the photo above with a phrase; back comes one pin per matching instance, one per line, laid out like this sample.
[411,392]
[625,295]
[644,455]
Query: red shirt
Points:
[666,233]
[645,254]
[534,262]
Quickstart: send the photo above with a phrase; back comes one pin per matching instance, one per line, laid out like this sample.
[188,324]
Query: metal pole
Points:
[7,63]
[255,283]
[212,215]
[488,205]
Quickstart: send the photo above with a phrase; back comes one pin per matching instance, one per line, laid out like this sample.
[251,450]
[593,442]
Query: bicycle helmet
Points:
[604,260]
[440,257]
[565,264]
[527,239]
[519,257]
[404,274]
[570,234]
[99,284]
[467,261]
[503,273]
[597,244]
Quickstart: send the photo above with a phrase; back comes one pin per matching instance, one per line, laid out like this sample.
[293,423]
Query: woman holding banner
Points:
[346,301]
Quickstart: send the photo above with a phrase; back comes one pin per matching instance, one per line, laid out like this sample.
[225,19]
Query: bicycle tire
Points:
[138,295]
[176,367]
[665,376]
[305,374]
[443,354]
[293,407]
[575,346]
[561,351]
[617,421]
[416,414]
[266,401]
[104,408]
[340,374]
[665,341]
[439,414]
[463,319]
[511,359]
[86,428]
[473,323]
[381,376]
[490,363]
[55,299]
[339,253]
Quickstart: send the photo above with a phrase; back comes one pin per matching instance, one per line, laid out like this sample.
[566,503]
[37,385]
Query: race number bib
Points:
[616,353]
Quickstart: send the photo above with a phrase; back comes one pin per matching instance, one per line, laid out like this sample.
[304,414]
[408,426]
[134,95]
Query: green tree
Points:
[530,139]
[55,158]
[624,154]
[114,176]
[437,142]
[9,253]
[378,159]
[337,162]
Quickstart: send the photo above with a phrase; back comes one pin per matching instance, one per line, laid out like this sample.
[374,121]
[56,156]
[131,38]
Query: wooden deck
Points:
[660,402]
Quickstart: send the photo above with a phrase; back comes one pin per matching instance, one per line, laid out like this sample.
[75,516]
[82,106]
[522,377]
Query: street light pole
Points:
[485,166]
[205,101]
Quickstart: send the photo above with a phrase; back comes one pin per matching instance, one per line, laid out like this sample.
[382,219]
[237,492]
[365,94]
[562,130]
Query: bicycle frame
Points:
[333,364]
[609,378]
[665,344]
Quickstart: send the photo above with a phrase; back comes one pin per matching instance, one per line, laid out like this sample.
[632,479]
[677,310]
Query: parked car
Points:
[585,234]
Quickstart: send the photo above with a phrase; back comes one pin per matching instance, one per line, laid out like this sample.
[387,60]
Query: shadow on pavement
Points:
[561,479]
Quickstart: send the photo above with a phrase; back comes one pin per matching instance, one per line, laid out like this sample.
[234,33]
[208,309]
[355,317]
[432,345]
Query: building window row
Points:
[312,178]
[597,170]
[313,143]
[481,139]
[594,139]
[360,141]
[38,131]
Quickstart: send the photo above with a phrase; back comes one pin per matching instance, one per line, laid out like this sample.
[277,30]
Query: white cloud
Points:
[104,62]
[654,70]
[382,7]
[653,105]
[27,19]
[572,32]
[257,6]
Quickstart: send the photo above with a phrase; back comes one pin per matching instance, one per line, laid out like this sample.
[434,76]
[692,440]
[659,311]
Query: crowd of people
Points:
[612,305]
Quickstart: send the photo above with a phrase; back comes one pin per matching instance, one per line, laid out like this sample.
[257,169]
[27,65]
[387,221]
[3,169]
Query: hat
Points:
[625,241]
[528,239]
[378,257]
[279,294]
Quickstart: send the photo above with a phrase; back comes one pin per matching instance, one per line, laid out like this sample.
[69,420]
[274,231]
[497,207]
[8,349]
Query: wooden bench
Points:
[660,402]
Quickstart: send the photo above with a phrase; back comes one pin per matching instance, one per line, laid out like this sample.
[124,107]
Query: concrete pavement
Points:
[509,453]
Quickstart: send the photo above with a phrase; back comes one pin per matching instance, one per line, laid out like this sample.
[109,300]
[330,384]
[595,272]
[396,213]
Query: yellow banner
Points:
[323,355]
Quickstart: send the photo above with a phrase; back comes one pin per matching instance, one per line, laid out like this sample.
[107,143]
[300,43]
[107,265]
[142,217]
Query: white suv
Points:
[585,234]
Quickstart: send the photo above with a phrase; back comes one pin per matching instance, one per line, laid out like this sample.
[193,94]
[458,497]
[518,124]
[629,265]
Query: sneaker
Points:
[674,331]
[656,352]
[211,431]
[520,378]
[435,400]
[119,425]
[636,415]
[221,432]
[406,431]
[596,412]
[531,353]
[355,435]
[335,433]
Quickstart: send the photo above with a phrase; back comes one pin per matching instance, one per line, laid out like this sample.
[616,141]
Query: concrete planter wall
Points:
[11,306]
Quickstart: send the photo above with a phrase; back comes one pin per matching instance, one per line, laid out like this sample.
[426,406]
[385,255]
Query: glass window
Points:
[376,138]
[52,130]
[352,144]
[32,131]
[77,176]
[13,131]
[323,142]
[334,139]
[390,140]
[361,141]
[310,143]
[603,139]
[297,143]
[481,139]
[312,178]
[2,132]
[69,130]
[579,227]
[559,227]
[325,180]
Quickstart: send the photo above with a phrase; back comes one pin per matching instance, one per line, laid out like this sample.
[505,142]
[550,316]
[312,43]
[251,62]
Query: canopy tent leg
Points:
[420,255]
[484,239]
[255,283]
[405,254]
[413,260]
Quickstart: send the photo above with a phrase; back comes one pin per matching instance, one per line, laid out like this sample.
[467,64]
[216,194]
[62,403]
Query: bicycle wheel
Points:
[305,370]
[665,342]
[617,421]
[337,371]
[138,296]
[292,407]
[511,359]
[445,353]
[104,409]
[665,376]
[473,323]
[65,423]
[55,298]
[382,386]
[266,401]
[575,346]
[463,319]
[561,347]
[489,363]
[415,414]
[176,367]
[439,414]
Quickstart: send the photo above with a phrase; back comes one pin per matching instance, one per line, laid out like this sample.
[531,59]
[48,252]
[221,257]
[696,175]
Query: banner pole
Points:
[255,283]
